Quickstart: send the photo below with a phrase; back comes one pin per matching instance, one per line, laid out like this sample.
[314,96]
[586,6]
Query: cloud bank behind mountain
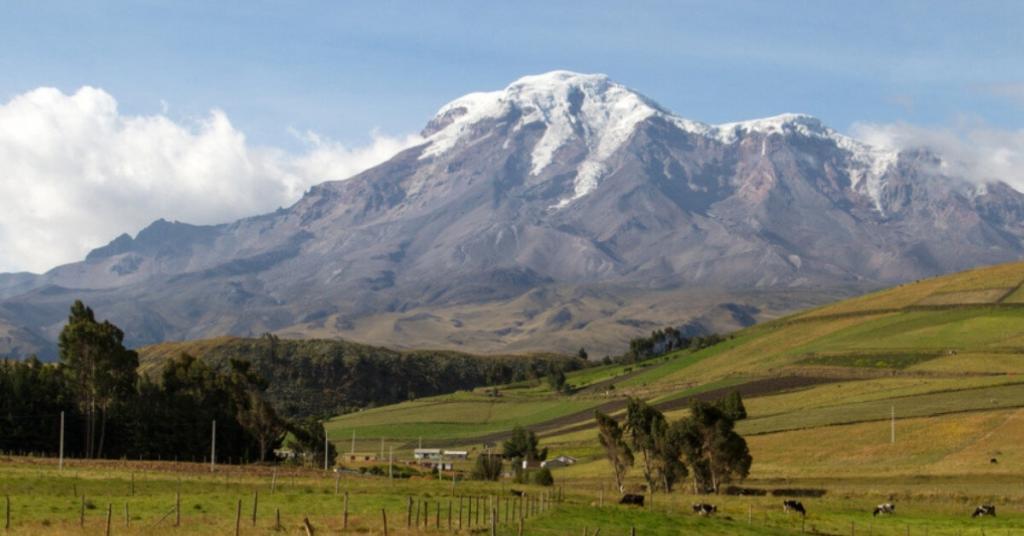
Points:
[75,172]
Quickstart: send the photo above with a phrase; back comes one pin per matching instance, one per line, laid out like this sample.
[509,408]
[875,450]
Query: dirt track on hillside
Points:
[581,420]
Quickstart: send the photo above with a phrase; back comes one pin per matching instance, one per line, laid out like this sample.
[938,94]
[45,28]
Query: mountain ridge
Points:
[557,181]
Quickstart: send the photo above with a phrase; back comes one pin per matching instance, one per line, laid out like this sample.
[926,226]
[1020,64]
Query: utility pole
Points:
[326,448]
[61,441]
[892,427]
[213,446]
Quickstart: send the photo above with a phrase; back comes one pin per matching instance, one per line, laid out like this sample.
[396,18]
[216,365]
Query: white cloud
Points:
[75,173]
[970,149]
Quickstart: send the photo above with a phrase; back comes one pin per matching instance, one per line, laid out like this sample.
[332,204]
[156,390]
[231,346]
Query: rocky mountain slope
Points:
[557,203]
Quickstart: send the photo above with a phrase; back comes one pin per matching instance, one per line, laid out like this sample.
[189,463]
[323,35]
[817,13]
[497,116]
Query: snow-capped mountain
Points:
[560,201]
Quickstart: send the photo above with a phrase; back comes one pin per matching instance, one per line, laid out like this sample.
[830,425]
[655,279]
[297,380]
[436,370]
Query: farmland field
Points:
[948,368]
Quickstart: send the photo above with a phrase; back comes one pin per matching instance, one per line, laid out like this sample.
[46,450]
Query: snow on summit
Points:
[587,107]
[603,114]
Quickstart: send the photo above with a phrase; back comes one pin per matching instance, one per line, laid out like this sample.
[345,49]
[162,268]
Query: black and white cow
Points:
[884,509]
[794,506]
[704,509]
[985,510]
[516,492]
[629,498]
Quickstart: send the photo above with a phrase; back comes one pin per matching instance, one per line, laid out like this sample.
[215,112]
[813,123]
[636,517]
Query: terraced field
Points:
[944,354]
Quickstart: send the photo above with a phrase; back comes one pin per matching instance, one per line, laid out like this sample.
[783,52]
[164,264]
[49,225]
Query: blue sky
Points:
[345,68]
[210,111]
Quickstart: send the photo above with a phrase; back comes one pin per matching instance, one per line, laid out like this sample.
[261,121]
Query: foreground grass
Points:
[45,501]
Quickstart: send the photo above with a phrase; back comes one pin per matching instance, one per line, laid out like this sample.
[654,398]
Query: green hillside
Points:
[945,354]
[325,377]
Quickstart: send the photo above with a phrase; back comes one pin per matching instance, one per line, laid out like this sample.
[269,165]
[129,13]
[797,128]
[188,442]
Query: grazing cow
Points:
[704,509]
[886,508]
[630,498]
[795,506]
[993,461]
[984,510]
[516,492]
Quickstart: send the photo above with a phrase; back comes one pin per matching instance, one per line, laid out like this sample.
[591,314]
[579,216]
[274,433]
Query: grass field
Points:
[45,500]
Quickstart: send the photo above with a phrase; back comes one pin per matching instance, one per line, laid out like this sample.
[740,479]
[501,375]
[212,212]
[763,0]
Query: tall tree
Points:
[254,413]
[732,405]
[647,430]
[642,424]
[308,439]
[668,468]
[615,447]
[713,450]
[101,370]
[524,445]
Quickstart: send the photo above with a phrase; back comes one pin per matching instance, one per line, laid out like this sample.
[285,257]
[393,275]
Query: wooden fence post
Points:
[344,522]
[277,519]
[460,512]
[177,508]
[437,515]
[255,505]
[81,513]
[307,526]
[238,518]
[7,512]
[449,515]
[494,522]
[127,519]
[408,514]
[384,517]
[110,511]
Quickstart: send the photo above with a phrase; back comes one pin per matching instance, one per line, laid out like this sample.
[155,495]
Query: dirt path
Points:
[582,420]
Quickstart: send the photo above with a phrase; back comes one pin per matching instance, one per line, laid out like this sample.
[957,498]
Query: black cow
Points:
[704,509]
[984,510]
[993,461]
[795,506]
[516,492]
[886,508]
[630,498]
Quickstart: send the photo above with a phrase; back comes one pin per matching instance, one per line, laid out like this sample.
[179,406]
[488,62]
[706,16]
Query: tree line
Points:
[161,404]
[663,341]
[110,410]
[317,377]
[703,446]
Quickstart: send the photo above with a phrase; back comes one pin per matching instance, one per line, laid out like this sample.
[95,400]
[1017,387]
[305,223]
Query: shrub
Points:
[543,477]
[487,467]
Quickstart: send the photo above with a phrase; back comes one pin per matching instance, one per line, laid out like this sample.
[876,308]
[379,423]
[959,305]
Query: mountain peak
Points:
[567,102]
[786,123]
[589,109]
[553,79]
